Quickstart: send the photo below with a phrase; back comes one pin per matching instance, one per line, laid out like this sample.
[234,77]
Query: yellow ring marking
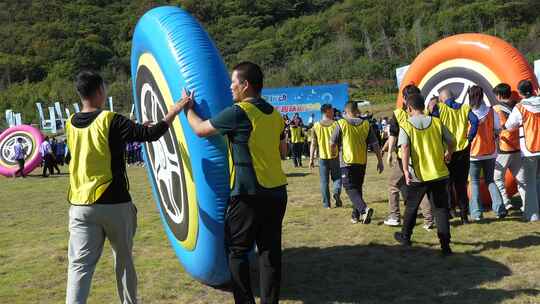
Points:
[150,62]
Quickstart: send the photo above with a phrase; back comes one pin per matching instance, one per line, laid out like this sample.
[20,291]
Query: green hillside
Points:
[45,42]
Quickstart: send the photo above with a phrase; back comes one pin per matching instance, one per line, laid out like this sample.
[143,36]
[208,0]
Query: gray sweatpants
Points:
[88,228]
[511,161]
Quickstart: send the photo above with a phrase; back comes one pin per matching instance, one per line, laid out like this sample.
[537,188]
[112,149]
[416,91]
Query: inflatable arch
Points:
[32,139]
[463,60]
[189,175]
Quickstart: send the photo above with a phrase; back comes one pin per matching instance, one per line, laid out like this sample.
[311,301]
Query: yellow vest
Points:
[324,133]
[401,119]
[457,122]
[427,150]
[354,147]
[264,142]
[90,166]
[296,135]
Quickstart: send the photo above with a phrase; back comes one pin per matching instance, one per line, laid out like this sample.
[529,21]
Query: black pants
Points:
[352,179]
[255,220]
[459,174]
[297,154]
[437,192]
[21,167]
[47,164]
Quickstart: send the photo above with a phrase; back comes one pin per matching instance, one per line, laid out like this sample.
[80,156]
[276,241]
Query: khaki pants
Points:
[88,228]
[396,185]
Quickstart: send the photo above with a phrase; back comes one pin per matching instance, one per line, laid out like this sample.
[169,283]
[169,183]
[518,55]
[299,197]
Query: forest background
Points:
[44,43]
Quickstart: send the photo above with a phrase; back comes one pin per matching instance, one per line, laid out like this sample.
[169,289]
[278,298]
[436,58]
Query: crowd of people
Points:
[431,151]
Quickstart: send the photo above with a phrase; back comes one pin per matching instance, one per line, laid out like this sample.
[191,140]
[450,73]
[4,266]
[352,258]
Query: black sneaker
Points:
[464,218]
[366,217]
[339,203]
[398,236]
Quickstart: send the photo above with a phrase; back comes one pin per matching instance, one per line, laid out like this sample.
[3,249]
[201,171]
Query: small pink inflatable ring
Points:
[32,139]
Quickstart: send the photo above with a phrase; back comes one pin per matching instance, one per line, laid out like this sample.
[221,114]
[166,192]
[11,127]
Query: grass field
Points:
[326,259]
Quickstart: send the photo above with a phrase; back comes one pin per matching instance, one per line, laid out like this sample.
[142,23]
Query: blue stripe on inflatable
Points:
[188,58]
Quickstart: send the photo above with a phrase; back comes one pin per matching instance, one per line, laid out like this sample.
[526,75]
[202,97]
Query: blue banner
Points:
[307,100]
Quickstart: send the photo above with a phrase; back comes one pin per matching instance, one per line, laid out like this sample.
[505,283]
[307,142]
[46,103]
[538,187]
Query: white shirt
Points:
[45,148]
[515,120]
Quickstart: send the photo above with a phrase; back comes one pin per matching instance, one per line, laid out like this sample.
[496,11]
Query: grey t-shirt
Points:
[336,138]
[422,122]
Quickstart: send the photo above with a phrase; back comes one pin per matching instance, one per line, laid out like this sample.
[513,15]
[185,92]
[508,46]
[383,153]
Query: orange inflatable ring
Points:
[463,60]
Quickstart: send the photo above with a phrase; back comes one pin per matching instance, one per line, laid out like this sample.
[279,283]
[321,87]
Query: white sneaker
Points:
[508,206]
[428,227]
[391,222]
[534,218]
[354,221]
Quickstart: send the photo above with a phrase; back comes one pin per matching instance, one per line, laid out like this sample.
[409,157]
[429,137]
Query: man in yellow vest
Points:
[328,159]
[463,125]
[258,194]
[422,139]
[101,206]
[509,157]
[396,182]
[297,141]
[352,136]
[526,117]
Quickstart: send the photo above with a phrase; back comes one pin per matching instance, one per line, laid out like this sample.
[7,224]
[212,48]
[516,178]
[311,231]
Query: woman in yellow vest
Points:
[297,141]
[483,154]
[422,140]
[328,159]
[526,117]
[509,157]
[352,136]
[258,189]
[101,206]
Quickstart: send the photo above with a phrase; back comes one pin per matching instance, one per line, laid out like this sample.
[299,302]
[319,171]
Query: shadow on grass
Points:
[296,174]
[519,243]
[390,274]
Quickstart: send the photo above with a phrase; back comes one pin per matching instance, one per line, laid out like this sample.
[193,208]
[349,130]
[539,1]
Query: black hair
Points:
[476,96]
[325,107]
[503,90]
[409,90]
[252,73]
[88,83]
[352,106]
[525,88]
[19,139]
[416,101]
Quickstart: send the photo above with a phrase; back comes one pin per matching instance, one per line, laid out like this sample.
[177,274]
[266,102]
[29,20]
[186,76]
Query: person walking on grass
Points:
[297,141]
[328,159]
[422,140]
[101,206]
[351,138]
[20,155]
[509,157]
[258,194]
[483,155]
[526,117]
[463,125]
[48,157]
[396,183]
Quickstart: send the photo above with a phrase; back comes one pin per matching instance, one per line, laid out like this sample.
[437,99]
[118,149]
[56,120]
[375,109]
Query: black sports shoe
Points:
[339,203]
[366,217]
[398,236]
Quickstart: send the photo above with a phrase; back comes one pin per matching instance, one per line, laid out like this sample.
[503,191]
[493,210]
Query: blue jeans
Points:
[488,167]
[329,167]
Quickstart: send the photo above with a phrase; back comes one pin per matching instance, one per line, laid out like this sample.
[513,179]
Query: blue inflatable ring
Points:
[189,175]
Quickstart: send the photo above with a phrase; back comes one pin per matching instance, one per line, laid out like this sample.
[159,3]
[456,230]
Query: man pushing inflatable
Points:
[258,185]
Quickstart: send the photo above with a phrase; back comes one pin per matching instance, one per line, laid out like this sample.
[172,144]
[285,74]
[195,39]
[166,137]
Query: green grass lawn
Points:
[326,259]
